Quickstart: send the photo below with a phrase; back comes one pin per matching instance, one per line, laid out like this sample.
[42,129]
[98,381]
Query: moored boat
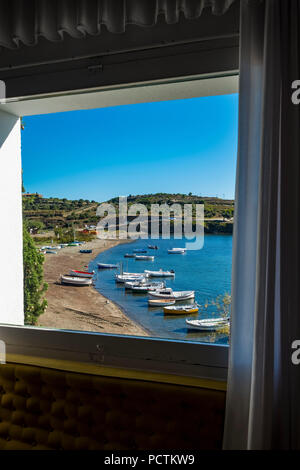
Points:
[160,273]
[168,293]
[139,250]
[130,255]
[153,247]
[146,287]
[134,283]
[144,258]
[181,310]
[86,274]
[85,251]
[125,273]
[160,302]
[75,281]
[177,251]
[121,278]
[208,324]
[107,266]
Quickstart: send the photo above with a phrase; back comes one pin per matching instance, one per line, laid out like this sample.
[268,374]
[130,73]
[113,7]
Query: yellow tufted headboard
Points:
[42,408]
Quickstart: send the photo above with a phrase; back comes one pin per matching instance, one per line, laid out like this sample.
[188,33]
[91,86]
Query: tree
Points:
[34,287]
[35,225]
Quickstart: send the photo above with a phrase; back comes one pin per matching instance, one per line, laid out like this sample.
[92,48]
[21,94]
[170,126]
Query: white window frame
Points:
[184,358]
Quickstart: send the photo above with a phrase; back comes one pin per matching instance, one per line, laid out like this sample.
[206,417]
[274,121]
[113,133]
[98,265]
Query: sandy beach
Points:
[81,308]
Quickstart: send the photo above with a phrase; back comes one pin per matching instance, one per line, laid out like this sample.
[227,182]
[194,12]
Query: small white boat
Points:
[121,278]
[145,287]
[134,274]
[160,273]
[160,302]
[107,266]
[134,283]
[86,274]
[144,258]
[168,293]
[153,247]
[75,281]
[177,251]
[208,324]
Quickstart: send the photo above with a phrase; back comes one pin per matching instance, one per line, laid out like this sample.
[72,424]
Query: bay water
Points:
[206,271]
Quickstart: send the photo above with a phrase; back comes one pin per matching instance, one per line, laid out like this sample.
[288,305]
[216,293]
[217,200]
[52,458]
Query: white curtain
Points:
[263,398]
[25,21]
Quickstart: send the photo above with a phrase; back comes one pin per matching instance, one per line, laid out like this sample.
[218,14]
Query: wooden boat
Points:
[134,274]
[86,274]
[121,278]
[153,247]
[144,258]
[146,287]
[177,251]
[160,273]
[129,255]
[107,266]
[160,302]
[139,250]
[75,281]
[134,283]
[181,310]
[208,324]
[168,293]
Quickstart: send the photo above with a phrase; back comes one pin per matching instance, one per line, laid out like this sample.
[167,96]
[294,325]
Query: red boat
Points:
[81,273]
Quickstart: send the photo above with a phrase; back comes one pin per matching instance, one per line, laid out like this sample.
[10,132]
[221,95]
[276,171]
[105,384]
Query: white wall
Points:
[11,258]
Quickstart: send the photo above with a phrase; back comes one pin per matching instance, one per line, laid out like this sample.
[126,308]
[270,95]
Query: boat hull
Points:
[160,302]
[159,273]
[172,295]
[184,310]
[206,325]
[107,266]
[84,274]
[75,281]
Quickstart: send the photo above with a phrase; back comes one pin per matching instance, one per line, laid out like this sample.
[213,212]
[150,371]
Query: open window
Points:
[186,63]
[156,340]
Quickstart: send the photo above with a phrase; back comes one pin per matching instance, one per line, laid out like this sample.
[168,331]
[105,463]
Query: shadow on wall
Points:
[7,125]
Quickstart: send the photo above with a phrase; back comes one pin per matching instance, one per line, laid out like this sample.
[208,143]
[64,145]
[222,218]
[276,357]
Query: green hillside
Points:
[44,214]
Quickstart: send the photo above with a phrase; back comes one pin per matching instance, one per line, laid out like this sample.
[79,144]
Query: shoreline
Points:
[82,308]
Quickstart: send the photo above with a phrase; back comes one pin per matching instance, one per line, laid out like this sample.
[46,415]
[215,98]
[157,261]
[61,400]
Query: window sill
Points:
[178,362]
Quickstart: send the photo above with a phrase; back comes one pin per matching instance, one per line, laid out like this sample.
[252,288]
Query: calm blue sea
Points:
[207,271]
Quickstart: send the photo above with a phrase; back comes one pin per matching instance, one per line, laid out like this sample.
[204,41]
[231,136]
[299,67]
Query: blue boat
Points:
[85,251]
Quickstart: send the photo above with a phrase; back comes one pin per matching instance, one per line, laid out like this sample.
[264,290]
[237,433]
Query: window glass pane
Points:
[180,154]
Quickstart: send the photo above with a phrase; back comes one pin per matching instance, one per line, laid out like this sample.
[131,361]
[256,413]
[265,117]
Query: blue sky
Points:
[177,146]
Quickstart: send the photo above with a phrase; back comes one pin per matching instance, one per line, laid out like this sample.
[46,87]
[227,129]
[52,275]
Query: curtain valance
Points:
[25,21]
